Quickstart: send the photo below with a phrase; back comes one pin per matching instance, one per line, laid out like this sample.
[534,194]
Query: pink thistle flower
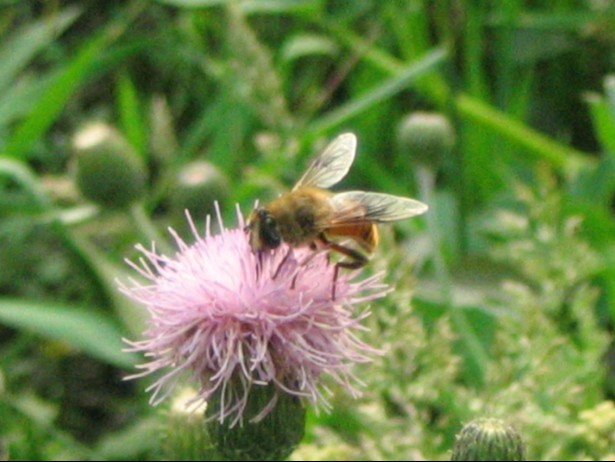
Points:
[223,314]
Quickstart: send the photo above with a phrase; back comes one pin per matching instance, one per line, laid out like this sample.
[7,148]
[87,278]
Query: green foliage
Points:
[92,332]
[504,296]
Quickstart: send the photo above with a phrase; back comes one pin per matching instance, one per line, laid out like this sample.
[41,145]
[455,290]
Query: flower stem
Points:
[148,230]
[472,345]
[24,177]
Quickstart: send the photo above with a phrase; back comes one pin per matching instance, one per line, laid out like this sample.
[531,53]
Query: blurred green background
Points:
[115,116]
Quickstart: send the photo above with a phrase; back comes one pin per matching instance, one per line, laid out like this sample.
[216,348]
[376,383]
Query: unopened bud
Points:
[109,171]
[488,439]
[184,436]
[427,137]
[198,186]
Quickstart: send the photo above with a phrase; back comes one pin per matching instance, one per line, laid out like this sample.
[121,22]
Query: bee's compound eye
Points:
[269,233]
[271,238]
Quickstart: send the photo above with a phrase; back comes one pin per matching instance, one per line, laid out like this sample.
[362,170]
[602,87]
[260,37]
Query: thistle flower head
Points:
[235,319]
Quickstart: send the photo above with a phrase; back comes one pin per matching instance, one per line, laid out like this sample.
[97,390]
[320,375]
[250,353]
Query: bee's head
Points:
[263,229]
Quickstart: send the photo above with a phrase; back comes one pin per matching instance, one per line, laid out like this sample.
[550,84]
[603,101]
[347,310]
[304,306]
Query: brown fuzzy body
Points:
[305,215]
[302,215]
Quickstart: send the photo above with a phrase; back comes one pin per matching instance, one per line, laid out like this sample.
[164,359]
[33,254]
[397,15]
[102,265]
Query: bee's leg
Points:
[259,264]
[281,265]
[305,261]
[315,251]
[356,260]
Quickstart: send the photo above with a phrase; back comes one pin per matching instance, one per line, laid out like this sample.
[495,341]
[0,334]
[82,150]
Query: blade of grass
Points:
[19,49]
[564,158]
[19,100]
[26,179]
[48,108]
[130,114]
[603,121]
[400,81]
[102,271]
[552,21]
[503,42]
[435,86]
[89,330]
[253,6]
[474,151]
[411,27]
[192,3]
[473,53]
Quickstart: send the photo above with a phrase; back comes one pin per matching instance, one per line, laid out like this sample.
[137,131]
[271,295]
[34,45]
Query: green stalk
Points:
[474,348]
[148,230]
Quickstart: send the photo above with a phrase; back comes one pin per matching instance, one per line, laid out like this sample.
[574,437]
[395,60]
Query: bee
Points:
[311,215]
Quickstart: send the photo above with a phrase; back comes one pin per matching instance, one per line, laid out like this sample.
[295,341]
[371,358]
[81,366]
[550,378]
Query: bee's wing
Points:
[358,206]
[332,164]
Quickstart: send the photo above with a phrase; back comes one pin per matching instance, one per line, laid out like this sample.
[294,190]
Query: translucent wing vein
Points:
[355,206]
[332,164]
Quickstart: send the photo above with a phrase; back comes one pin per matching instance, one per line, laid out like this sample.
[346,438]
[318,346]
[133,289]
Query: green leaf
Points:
[387,89]
[595,186]
[603,121]
[24,176]
[301,45]
[48,108]
[251,6]
[19,100]
[91,331]
[131,117]
[279,6]
[30,39]
[536,145]
[192,3]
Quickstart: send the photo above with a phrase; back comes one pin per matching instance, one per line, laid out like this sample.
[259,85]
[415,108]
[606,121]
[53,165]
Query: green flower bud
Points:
[184,436]
[198,185]
[426,136]
[488,439]
[273,437]
[108,170]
